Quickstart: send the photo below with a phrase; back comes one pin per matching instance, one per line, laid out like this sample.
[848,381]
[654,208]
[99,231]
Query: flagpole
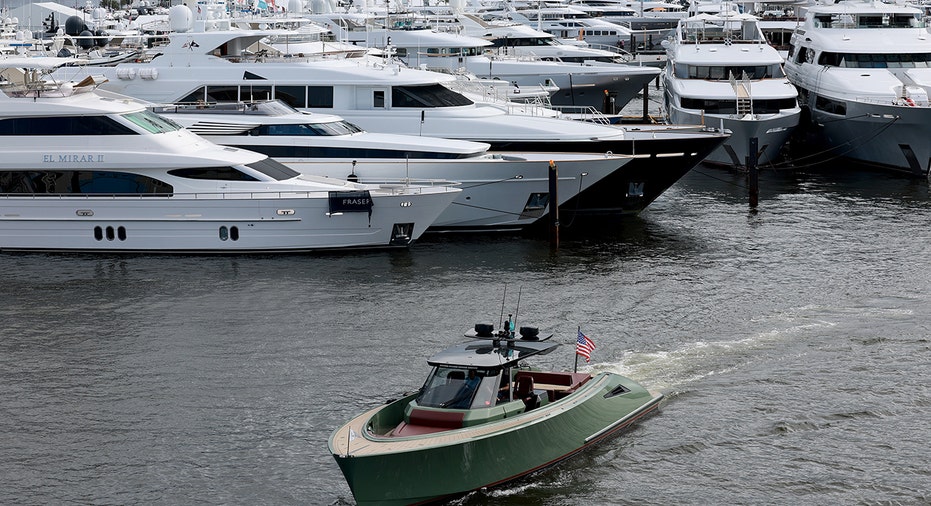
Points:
[576,368]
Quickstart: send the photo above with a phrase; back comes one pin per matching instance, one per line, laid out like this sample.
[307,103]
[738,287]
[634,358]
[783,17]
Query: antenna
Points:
[501,318]
[517,311]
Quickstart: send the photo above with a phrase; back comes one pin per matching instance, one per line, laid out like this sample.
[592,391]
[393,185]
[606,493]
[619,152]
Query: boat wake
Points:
[668,371]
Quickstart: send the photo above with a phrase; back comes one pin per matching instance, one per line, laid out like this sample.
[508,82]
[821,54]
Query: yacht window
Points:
[222,94]
[724,72]
[212,173]
[255,93]
[870,60]
[80,182]
[320,96]
[295,96]
[378,98]
[830,106]
[289,151]
[433,95]
[64,125]
[308,129]
[152,122]
[711,106]
[274,169]
[197,96]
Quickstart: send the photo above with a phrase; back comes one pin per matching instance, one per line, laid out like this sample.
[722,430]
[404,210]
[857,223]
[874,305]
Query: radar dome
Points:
[181,18]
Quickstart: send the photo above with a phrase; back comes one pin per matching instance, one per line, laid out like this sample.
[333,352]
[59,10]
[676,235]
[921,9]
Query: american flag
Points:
[584,346]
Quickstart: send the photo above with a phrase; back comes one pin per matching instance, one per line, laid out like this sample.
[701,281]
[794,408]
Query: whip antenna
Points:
[501,318]
[517,311]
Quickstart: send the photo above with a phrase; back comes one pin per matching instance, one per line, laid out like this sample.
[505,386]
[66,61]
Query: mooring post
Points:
[646,102]
[753,178]
[554,205]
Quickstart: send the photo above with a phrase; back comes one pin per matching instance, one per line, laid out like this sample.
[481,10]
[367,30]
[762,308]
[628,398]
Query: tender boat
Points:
[482,418]
[87,170]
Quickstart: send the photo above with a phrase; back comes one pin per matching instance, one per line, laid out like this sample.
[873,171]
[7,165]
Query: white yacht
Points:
[499,191]
[722,73]
[863,70]
[588,83]
[212,66]
[570,23]
[93,171]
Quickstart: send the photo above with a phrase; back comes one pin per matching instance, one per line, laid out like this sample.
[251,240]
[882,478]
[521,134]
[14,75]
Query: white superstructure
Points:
[93,171]
[721,72]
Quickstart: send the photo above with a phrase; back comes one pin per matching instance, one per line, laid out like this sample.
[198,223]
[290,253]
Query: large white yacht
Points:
[722,73]
[93,171]
[499,191]
[863,70]
[587,83]
[219,65]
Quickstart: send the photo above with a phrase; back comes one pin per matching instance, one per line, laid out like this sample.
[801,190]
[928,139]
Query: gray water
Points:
[791,343]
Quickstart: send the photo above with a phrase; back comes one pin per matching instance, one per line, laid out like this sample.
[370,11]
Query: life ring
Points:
[908,101]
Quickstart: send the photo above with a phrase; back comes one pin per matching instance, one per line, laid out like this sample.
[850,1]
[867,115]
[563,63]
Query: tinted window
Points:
[434,95]
[292,95]
[274,169]
[212,173]
[66,125]
[320,96]
[80,182]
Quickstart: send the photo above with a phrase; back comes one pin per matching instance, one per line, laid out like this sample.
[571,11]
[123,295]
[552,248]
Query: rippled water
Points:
[791,342]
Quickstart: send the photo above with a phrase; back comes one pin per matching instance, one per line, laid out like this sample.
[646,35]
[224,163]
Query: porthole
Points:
[98,233]
[121,233]
[110,234]
[234,233]
[224,233]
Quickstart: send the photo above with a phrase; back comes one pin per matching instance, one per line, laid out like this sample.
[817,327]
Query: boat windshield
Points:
[333,128]
[152,122]
[460,388]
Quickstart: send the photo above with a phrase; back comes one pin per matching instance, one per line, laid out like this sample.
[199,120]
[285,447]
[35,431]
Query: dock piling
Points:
[753,179]
[554,205]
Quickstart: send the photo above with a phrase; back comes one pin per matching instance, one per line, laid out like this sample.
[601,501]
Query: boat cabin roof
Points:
[489,353]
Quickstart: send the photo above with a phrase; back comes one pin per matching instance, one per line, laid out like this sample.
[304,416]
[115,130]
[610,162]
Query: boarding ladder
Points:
[742,91]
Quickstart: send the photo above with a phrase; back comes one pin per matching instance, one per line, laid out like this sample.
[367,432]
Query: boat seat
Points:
[523,390]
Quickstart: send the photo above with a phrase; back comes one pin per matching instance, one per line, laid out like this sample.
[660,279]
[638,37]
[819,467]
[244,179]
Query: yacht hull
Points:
[209,222]
[423,468]
[499,191]
[771,131]
[660,156]
[887,137]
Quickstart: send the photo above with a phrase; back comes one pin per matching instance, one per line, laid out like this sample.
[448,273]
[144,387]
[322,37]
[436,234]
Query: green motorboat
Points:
[482,418]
